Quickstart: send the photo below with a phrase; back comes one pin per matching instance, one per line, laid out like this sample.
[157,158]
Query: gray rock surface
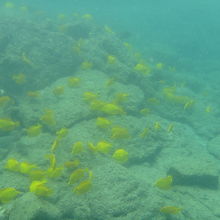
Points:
[30,207]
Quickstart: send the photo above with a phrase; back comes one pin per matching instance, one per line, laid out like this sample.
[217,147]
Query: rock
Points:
[30,207]
[203,181]
[3,214]
[213,147]
[70,108]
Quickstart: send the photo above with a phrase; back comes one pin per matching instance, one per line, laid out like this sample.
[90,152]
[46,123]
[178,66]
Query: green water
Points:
[109,110]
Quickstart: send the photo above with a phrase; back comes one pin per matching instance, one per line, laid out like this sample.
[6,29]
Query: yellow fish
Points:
[77,175]
[37,174]
[19,78]
[71,164]
[157,125]
[7,194]
[164,183]
[112,109]
[62,133]
[40,189]
[7,124]
[159,66]
[87,16]
[83,187]
[144,133]
[208,109]
[86,65]
[111,59]
[170,210]
[111,81]
[170,127]
[103,147]
[12,165]
[102,122]
[73,81]
[119,133]
[33,94]
[48,117]
[145,111]
[34,130]
[77,147]
[59,90]
[55,144]
[120,155]
[4,100]
[26,168]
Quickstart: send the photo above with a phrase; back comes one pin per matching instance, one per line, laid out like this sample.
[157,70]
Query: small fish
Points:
[73,81]
[55,144]
[59,90]
[71,164]
[111,59]
[7,124]
[25,59]
[111,81]
[103,147]
[170,128]
[164,183]
[112,109]
[83,187]
[77,175]
[77,148]
[33,94]
[145,111]
[170,210]
[157,125]
[144,133]
[159,66]
[34,130]
[188,104]
[8,194]
[62,133]
[4,100]
[19,78]
[40,189]
[102,122]
[142,68]
[52,159]
[208,109]
[87,16]
[48,117]
[120,155]
[119,132]
[86,65]
[153,100]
